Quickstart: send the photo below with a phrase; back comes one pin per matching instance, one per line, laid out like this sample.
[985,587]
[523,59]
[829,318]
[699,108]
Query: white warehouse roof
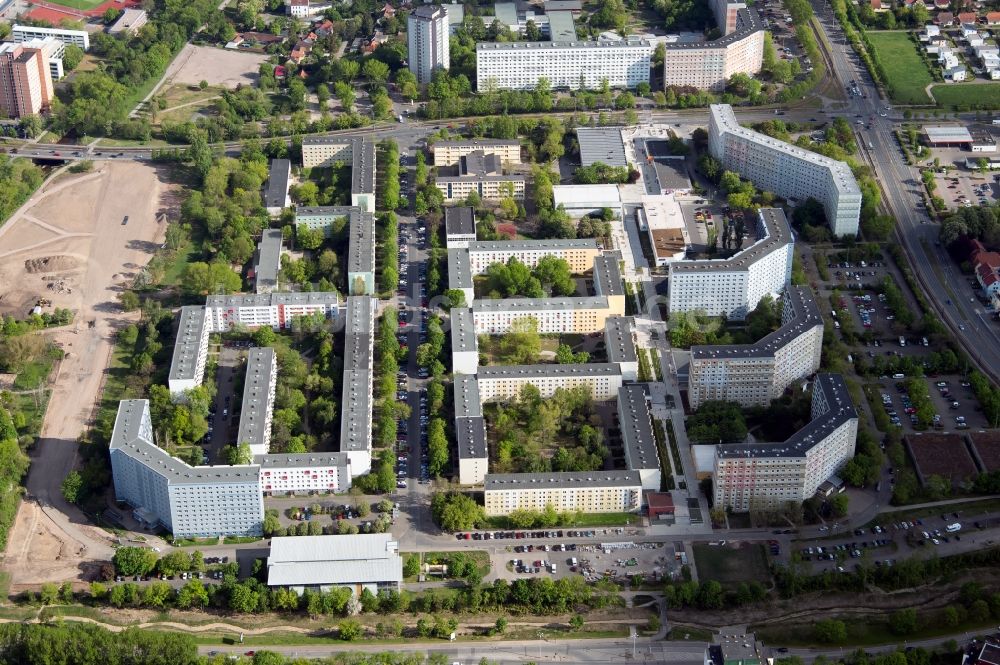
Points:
[583,196]
[325,560]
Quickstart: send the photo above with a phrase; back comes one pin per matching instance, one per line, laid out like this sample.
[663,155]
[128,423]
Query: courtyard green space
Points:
[907,74]
[731,565]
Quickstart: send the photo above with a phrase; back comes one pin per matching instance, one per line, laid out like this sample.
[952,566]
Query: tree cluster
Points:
[717,422]
[551,276]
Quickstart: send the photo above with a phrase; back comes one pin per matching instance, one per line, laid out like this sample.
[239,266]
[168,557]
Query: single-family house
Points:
[992,18]
[975,40]
[956,73]
[944,19]
[967,19]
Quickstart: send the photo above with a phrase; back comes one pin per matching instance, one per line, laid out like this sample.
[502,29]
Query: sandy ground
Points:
[218,66]
[68,244]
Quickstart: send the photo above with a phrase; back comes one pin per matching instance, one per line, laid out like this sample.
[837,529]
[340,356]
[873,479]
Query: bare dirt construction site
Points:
[219,67]
[77,243]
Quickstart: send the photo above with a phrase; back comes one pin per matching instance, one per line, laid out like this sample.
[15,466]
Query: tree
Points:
[192,594]
[201,278]
[500,627]
[576,622]
[838,504]
[31,125]
[243,599]
[349,629]
[456,512]
[437,446]
[71,486]
[134,560]
[830,631]
[129,301]
[110,15]
[903,622]
[375,70]
[411,568]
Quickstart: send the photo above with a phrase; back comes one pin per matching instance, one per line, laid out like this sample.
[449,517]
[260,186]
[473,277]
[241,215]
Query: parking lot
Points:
[222,418]
[964,189]
[955,407]
[890,541]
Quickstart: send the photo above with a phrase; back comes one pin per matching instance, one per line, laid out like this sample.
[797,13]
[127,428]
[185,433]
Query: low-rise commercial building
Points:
[504,382]
[129,22]
[755,374]
[601,144]
[257,407]
[459,227]
[735,285]
[448,153]
[587,491]
[662,220]
[763,476]
[582,200]
[187,366]
[565,65]
[268,261]
[787,170]
[360,562]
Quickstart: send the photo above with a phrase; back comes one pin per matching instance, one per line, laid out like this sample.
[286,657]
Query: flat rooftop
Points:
[468,404]
[496,482]
[601,144]
[577,196]
[608,274]
[840,410]
[191,328]
[463,331]
[356,392]
[947,134]
[459,269]
[561,26]
[528,305]
[532,244]
[302,299]
[321,560]
[618,339]
[545,371]
[300,460]
[277,183]
[361,245]
[774,234]
[459,221]
[470,438]
[799,310]
[636,427]
[747,23]
[268,260]
[568,45]
[363,167]
[256,405]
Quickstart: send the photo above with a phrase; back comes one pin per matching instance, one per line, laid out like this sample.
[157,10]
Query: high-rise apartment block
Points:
[785,169]
[735,285]
[709,65]
[427,39]
[755,374]
[564,64]
[750,476]
[25,80]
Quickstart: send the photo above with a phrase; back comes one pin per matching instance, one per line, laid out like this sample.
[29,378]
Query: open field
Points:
[77,4]
[731,564]
[908,76]
[969,95]
[68,244]
[217,66]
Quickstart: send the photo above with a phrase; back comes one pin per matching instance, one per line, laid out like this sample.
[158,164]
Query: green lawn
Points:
[907,73]
[726,564]
[968,95]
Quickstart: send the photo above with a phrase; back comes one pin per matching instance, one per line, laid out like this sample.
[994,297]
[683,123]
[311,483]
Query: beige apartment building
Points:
[25,80]
[587,491]
[324,151]
[503,382]
[554,315]
[579,253]
[448,153]
[709,65]
[755,374]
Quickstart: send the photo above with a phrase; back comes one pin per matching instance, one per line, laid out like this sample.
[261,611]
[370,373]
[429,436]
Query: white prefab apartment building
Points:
[586,491]
[464,343]
[470,431]
[25,33]
[358,383]
[427,39]
[709,65]
[257,407]
[368,561]
[735,285]
[787,170]
[770,475]
[755,374]
[187,367]
[503,382]
[566,65]
[306,472]
[276,310]
[636,423]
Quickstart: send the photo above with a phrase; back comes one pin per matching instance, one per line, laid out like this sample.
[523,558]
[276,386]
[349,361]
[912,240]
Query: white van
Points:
[898,376]
[952,528]
[902,341]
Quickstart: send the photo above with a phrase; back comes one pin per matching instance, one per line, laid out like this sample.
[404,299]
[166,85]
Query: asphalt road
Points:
[901,187]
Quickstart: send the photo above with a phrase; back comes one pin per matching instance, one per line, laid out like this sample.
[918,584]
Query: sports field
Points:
[968,95]
[83,5]
[907,73]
